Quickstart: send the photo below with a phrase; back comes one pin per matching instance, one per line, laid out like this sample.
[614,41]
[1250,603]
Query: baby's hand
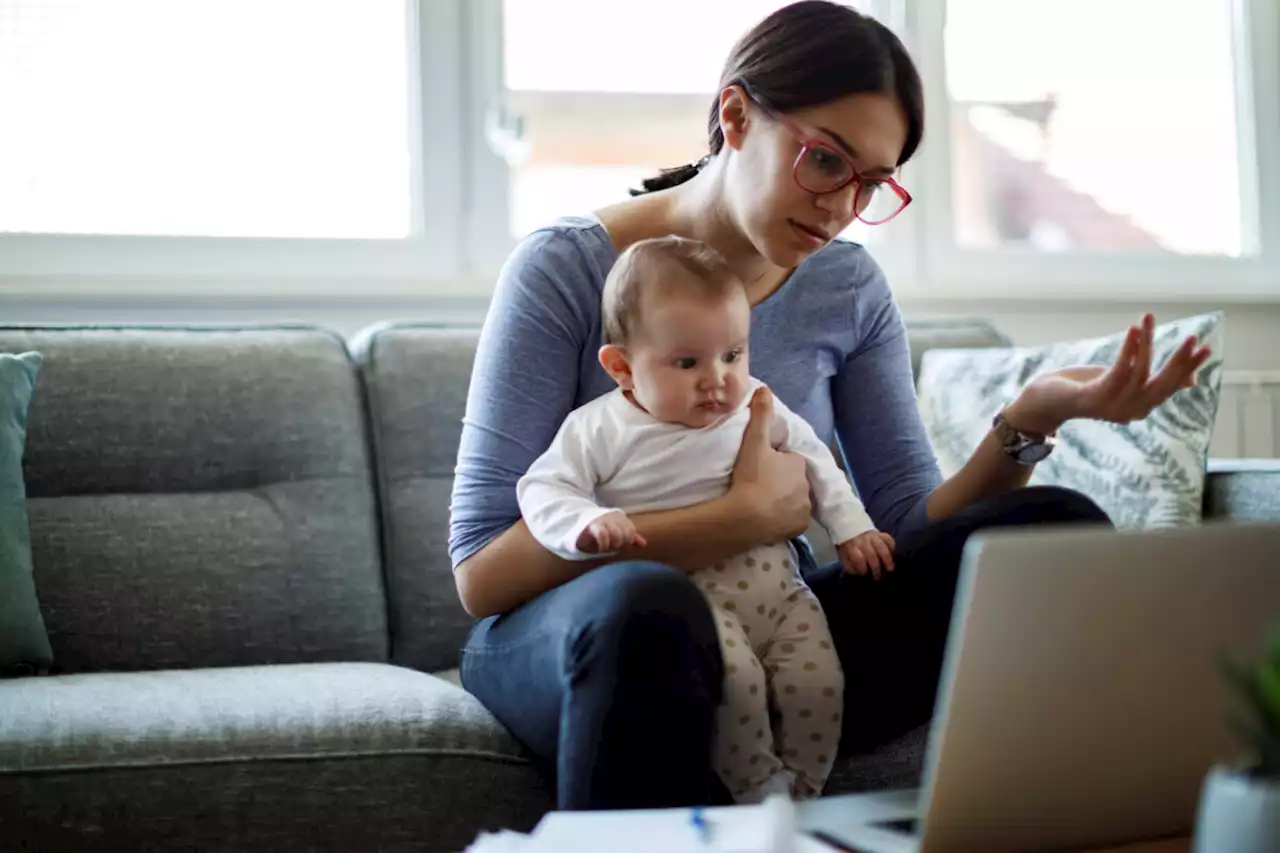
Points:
[610,532]
[872,550]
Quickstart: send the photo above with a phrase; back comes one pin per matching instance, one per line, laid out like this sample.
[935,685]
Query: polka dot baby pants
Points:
[779,725]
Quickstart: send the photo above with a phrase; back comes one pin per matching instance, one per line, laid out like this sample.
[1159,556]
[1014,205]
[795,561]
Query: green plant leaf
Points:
[1257,721]
[1268,686]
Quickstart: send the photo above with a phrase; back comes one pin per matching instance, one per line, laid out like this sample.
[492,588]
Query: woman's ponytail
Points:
[668,178]
[806,54]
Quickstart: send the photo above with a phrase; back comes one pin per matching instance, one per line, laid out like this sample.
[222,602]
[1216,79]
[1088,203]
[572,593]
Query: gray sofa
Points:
[239,542]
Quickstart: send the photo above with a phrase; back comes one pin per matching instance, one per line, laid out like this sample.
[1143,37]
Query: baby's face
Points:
[689,361]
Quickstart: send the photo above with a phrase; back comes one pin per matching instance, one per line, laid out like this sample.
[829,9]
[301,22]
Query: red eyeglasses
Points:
[821,169]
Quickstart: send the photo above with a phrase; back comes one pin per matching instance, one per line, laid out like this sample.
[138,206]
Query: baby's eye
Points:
[733,355]
[686,363]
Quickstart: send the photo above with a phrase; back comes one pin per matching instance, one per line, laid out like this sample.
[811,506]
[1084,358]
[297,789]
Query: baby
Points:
[676,323]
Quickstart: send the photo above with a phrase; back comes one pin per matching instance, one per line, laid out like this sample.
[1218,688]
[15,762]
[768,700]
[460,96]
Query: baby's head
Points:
[676,323]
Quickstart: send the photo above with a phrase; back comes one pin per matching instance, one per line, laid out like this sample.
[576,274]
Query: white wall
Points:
[1253,330]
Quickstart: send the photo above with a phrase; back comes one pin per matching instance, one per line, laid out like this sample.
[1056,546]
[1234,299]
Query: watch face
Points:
[1034,453]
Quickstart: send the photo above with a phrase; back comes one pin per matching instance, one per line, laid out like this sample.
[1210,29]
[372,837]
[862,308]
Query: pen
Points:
[700,824]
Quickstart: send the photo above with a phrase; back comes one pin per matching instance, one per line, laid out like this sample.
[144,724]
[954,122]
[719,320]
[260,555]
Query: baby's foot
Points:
[781,782]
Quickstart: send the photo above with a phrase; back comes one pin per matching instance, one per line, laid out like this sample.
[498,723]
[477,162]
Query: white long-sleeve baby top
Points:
[611,455]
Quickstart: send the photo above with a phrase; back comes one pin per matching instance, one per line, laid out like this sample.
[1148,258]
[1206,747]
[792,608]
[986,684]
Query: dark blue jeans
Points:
[613,679]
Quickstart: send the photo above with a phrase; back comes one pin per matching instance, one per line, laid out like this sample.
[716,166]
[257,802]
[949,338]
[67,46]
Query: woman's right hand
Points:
[769,485]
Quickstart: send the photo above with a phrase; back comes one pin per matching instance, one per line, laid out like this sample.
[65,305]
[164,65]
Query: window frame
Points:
[427,261]
[948,271]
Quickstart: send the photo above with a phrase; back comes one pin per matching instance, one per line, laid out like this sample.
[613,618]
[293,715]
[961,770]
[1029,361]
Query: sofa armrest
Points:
[1242,490]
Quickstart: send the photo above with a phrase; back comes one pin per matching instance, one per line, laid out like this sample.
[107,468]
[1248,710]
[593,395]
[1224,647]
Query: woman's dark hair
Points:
[808,54]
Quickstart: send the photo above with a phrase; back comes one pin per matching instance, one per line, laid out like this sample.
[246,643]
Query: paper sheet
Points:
[515,842]
[767,828]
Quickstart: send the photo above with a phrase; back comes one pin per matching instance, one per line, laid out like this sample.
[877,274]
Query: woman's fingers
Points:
[1127,390]
[761,417]
[1142,359]
[873,560]
[1173,375]
[1107,393]
[1117,378]
[883,552]
[1195,360]
[1198,358]
[756,437]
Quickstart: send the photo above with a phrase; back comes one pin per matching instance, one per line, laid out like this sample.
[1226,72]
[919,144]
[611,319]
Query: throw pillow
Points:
[24,643]
[1150,473]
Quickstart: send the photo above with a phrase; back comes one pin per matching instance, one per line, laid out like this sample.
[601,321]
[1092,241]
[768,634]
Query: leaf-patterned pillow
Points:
[1149,473]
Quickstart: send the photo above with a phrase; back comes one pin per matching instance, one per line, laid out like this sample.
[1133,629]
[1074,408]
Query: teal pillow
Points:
[24,643]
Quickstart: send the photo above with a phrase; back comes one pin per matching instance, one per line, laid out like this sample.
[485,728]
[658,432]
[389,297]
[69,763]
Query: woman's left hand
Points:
[1122,393]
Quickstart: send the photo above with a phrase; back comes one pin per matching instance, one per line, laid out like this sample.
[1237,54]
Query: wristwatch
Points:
[1025,448]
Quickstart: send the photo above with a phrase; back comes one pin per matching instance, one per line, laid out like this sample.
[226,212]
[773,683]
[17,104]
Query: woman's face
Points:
[785,223]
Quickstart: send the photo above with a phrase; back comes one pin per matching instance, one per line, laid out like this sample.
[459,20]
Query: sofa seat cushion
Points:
[896,764]
[1243,490]
[380,756]
[240,714]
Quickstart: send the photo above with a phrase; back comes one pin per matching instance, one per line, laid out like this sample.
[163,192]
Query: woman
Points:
[611,673]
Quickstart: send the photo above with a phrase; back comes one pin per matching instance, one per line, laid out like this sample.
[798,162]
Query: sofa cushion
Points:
[381,757]
[416,376]
[24,642]
[1243,490]
[200,498]
[896,764]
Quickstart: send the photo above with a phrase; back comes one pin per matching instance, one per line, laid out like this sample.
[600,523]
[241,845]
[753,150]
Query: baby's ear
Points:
[613,359]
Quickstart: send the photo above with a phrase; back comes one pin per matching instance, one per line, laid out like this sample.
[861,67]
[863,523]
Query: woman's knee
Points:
[635,591]
[1056,504]
[649,622]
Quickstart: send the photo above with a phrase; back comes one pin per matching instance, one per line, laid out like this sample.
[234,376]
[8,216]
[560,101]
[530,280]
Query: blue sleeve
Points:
[877,420]
[523,384]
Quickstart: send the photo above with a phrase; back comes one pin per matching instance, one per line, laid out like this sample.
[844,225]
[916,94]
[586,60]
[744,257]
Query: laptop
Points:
[1082,701]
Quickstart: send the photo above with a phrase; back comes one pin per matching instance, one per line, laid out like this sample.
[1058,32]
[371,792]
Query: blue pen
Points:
[699,822]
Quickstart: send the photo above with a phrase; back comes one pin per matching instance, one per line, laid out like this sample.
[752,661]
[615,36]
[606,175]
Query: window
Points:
[602,112]
[1095,125]
[595,97]
[1099,149]
[232,118]
[213,147]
